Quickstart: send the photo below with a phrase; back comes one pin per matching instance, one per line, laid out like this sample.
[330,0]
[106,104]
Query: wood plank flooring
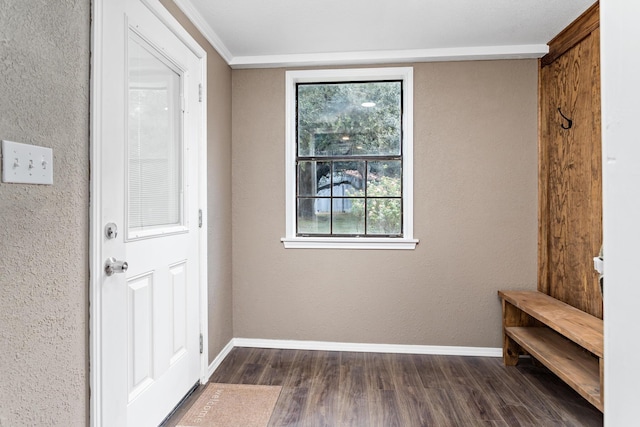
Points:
[324,388]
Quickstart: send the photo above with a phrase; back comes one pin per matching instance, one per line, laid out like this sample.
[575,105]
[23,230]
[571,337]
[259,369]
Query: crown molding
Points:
[207,32]
[476,53]
[392,56]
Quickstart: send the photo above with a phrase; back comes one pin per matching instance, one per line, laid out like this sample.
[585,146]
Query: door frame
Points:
[96,227]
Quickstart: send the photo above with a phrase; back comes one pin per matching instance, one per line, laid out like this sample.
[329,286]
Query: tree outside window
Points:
[349,158]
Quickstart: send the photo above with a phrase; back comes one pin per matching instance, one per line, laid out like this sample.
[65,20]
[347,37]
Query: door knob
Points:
[113,266]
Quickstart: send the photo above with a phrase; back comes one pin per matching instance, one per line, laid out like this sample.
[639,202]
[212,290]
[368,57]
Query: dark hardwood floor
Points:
[324,388]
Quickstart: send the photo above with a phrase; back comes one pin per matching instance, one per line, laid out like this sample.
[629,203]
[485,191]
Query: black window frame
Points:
[366,159]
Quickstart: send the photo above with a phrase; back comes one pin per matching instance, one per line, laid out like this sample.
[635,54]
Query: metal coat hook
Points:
[569,121]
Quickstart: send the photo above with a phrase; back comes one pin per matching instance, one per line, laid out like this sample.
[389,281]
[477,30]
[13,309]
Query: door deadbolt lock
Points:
[111,231]
[113,266]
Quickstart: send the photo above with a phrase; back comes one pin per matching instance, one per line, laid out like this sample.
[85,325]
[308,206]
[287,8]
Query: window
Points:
[349,159]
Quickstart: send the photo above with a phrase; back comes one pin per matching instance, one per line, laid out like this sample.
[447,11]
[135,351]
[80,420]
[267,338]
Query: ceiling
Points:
[273,33]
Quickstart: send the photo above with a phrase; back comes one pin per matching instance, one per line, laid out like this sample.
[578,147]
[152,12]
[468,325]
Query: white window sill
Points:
[348,243]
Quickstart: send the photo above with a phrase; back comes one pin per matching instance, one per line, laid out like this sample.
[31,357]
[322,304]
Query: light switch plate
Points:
[26,164]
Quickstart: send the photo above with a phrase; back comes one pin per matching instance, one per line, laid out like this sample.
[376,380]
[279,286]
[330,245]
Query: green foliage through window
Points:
[349,159]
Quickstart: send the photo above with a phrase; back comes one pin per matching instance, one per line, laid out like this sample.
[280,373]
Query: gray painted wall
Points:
[44,100]
[475,171]
[44,230]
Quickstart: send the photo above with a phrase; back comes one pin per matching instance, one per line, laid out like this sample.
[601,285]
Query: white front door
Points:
[148,354]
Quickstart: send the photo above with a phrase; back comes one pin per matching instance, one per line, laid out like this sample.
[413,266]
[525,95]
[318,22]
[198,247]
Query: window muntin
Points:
[349,159]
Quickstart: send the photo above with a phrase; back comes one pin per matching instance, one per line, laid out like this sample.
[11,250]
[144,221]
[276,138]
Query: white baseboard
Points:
[219,358]
[357,347]
[369,348]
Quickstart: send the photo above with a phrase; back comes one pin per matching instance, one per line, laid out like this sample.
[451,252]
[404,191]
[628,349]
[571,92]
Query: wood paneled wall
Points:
[570,166]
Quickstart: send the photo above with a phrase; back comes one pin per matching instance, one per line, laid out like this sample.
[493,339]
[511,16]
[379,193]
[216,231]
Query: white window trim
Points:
[291,241]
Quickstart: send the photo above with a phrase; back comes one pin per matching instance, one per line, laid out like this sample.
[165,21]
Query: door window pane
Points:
[154,140]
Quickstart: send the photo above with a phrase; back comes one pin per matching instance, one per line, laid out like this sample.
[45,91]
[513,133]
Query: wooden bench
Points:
[566,340]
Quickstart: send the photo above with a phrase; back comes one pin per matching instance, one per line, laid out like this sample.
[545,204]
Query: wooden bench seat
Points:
[566,340]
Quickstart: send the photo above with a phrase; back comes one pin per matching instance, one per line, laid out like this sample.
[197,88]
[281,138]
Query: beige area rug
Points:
[232,405]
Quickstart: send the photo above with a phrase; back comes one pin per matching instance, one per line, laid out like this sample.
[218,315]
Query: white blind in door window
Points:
[154,140]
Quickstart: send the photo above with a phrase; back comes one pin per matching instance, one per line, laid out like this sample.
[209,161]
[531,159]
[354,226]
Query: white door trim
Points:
[95,227]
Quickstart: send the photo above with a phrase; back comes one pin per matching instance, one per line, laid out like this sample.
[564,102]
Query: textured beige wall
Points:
[475,214]
[219,188]
[44,82]
[44,100]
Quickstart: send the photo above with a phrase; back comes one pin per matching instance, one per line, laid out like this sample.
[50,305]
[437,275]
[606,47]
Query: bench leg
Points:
[511,316]
[510,351]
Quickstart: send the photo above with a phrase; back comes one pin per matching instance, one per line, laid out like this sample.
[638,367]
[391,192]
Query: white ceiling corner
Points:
[203,26]
[265,34]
